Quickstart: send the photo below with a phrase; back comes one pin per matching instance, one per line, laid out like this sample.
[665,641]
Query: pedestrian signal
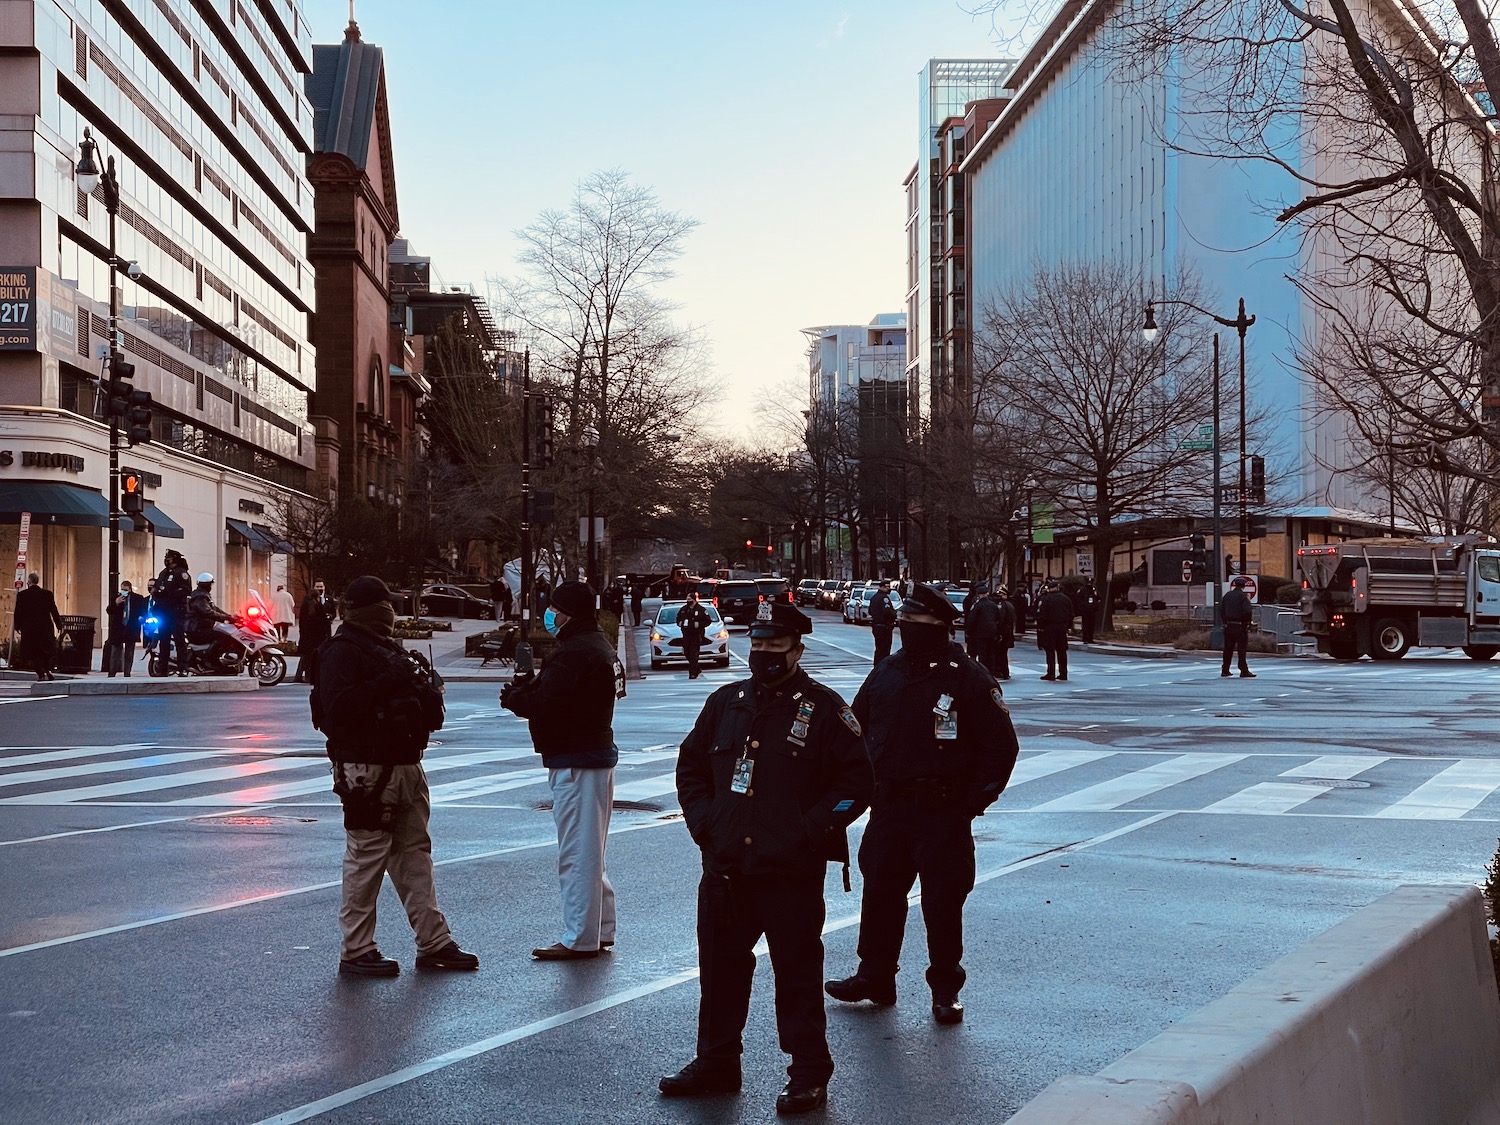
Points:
[545,447]
[132,500]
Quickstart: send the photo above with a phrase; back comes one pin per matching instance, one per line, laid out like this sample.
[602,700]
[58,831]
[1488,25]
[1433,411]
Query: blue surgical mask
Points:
[549,622]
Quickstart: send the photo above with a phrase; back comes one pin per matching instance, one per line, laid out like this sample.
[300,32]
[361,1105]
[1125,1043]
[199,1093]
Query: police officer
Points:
[882,620]
[1054,617]
[1237,612]
[693,620]
[773,772]
[943,746]
[173,586]
[376,709]
[203,615]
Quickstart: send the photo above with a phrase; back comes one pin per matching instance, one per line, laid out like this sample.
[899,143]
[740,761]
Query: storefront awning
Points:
[52,503]
[259,538]
[161,523]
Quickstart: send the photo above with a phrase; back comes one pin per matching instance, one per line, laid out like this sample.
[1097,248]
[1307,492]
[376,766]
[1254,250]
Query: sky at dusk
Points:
[785,127]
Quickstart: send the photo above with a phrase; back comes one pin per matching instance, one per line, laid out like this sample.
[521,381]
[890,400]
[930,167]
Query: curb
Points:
[175,685]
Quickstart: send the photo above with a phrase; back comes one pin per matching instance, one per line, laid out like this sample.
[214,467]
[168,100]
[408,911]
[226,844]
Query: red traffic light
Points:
[748,544]
[768,549]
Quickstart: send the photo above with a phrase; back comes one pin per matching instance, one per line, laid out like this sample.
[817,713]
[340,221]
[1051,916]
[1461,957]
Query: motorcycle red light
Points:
[253,611]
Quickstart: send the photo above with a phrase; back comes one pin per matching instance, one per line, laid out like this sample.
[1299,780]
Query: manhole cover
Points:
[254,821]
[618,806]
[1229,715]
[1334,783]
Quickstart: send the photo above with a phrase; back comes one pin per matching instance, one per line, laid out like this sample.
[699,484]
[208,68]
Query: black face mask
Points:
[769,667]
[921,636]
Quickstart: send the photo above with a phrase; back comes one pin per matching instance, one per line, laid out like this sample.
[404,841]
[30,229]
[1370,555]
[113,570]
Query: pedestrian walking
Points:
[1237,611]
[124,616]
[614,600]
[1007,634]
[637,600]
[693,620]
[283,611]
[500,598]
[376,706]
[1088,611]
[174,585]
[882,620]
[1054,618]
[37,620]
[982,631]
[314,626]
[943,747]
[570,707]
[771,775]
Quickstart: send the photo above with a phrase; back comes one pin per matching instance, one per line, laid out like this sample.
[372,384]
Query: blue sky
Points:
[784,126]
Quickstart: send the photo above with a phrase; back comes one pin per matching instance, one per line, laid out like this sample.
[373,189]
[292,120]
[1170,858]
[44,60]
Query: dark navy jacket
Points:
[570,704]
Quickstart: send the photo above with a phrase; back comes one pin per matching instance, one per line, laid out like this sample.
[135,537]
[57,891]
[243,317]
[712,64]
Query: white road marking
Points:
[114,828]
[1139,783]
[70,753]
[32,699]
[647,787]
[615,1000]
[1033,766]
[1274,797]
[1458,789]
[32,777]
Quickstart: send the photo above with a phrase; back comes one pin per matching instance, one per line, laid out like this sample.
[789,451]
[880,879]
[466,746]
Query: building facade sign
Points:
[41,459]
[18,308]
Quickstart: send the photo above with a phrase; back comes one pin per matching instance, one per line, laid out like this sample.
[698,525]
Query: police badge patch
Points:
[999,700]
[850,721]
[764,612]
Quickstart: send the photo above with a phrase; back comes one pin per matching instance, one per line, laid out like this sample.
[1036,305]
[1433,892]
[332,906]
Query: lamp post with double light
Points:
[591,443]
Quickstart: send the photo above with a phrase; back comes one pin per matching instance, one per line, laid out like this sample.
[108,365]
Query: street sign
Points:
[1084,564]
[1193,445]
[1250,586]
[1187,570]
[21,550]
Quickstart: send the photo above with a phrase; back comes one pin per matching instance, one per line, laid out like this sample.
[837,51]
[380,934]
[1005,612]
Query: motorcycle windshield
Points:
[257,615]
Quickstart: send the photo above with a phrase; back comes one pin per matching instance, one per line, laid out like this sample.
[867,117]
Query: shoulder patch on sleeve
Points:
[999,699]
[850,721]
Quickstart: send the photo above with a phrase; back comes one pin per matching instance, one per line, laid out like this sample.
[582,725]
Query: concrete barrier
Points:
[148,685]
[1389,1018]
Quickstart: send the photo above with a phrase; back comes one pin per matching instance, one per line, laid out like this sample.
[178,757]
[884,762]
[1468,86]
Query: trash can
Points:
[75,646]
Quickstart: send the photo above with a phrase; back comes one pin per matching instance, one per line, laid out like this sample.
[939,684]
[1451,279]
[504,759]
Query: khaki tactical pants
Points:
[405,852]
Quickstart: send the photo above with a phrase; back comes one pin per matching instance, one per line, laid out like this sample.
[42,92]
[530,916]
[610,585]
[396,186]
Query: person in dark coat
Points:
[1237,612]
[1007,634]
[882,620]
[637,600]
[1088,611]
[943,747]
[774,771]
[126,612]
[37,620]
[982,630]
[500,598]
[174,585]
[314,626]
[1054,617]
[693,620]
[1021,603]
[375,706]
[976,593]
[570,706]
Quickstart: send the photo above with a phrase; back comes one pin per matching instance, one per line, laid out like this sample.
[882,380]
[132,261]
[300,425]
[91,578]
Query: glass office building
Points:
[201,106]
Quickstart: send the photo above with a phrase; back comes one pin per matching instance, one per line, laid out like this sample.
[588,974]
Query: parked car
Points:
[957,596]
[666,638]
[827,590]
[736,600]
[775,590]
[857,608]
[846,607]
[451,601]
[807,592]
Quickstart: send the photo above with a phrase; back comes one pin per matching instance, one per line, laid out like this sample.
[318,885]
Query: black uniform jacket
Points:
[360,698]
[882,613]
[1055,611]
[570,704]
[983,621]
[810,780]
[36,612]
[1237,608]
[896,706]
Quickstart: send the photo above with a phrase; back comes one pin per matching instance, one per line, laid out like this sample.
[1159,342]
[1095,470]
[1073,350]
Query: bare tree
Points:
[1065,381]
[1381,113]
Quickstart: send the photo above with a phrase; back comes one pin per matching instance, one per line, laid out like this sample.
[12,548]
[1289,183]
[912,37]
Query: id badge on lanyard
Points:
[945,728]
[744,769]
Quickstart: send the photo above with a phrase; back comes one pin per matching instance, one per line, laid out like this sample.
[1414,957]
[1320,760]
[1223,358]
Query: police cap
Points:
[1239,580]
[777,619]
[931,601]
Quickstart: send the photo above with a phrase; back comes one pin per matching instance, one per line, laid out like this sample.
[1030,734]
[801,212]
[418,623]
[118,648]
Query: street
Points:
[170,874]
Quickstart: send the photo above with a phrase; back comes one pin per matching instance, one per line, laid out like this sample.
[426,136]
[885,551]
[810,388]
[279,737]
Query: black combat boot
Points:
[851,990]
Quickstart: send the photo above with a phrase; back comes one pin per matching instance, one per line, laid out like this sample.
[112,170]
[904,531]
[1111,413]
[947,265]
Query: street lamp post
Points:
[591,443]
[1030,486]
[528,577]
[88,178]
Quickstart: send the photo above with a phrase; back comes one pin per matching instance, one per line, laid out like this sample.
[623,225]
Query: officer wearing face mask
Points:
[772,774]
[943,747]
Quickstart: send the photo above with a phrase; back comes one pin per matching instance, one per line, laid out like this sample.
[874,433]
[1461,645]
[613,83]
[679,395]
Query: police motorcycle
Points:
[247,643]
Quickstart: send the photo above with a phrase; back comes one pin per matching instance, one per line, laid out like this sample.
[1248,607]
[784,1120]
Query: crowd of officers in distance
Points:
[775,770]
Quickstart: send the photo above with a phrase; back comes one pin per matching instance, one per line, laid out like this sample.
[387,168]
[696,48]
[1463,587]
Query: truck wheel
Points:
[1481,652]
[1389,639]
[1343,648]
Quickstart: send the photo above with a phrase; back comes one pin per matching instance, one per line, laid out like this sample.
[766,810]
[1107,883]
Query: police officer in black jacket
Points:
[882,620]
[943,746]
[1237,612]
[774,771]
[376,708]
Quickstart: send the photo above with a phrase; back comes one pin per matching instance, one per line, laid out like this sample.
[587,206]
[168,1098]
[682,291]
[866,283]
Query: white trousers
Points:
[581,802]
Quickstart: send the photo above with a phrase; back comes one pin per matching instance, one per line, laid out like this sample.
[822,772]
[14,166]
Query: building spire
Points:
[352,31]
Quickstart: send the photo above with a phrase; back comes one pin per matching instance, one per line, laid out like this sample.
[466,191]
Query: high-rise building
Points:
[198,110]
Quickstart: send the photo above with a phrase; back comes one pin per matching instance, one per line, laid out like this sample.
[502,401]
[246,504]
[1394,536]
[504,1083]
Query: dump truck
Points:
[1381,597]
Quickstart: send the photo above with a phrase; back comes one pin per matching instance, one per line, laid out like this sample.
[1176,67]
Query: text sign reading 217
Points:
[17,308]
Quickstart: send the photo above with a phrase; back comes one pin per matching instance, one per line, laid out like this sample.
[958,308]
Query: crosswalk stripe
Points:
[71,753]
[33,777]
[1033,766]
[647,787]
[1139,783]
[161,781]
[1458,789]
[479,786]
[1272,797]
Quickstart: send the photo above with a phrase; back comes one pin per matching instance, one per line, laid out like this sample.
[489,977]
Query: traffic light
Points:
[118,388]
[1258,480]
[749,544]
[545,448]
[132,501]
[1257,526]
[543,507]
[138,418]
[768,549]
[1198,557]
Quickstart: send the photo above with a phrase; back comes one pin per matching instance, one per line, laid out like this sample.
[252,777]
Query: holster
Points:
[364,811]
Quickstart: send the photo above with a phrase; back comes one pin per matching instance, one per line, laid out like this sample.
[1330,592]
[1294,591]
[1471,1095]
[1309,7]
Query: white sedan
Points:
[666,637]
